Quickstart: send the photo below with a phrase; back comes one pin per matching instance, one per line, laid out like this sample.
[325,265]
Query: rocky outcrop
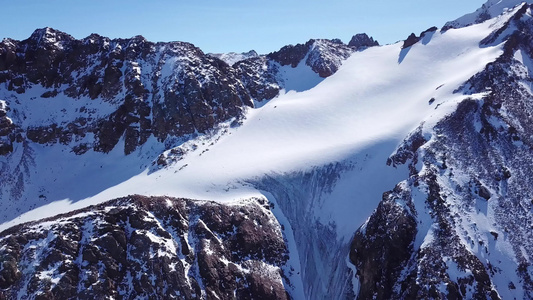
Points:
[361,41]
[140,247]
[410,41]
[389,233]
[260,76]
[413,39]
[326,56]
[232,58]
[322,55]
[489,10]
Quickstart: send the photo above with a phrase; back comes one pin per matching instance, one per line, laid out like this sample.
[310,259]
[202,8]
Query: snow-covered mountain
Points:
[336,171]
[127,96]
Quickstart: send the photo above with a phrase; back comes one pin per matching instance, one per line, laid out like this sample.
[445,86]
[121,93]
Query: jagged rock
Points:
[408,150]
[411,40]
[326,56]
[488,10]
[362,40]
[381,248]
[290,55]
[259,76]
[154,247]
[323,56]
[232,58]
[7,129]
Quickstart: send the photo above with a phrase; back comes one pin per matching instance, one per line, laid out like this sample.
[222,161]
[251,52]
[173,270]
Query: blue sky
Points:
[232,25]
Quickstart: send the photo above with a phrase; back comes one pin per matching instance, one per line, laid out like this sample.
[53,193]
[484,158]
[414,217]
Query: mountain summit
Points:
[132,169]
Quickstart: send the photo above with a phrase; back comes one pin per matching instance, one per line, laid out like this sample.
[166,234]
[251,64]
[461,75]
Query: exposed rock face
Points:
[441,233]
[322,55]
[140,247]
[260,76]
[362,40]
[326,56]
[411,40]
[390,232]
[163,89]
[6,130]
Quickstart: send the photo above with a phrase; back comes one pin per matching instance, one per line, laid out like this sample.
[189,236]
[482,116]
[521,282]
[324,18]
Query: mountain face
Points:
[140,247]
[133,88]
[333,171]
[97,95]
[444,231]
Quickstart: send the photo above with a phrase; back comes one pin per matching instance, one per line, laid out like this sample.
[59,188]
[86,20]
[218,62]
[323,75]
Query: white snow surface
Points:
[361,113]
[490,9]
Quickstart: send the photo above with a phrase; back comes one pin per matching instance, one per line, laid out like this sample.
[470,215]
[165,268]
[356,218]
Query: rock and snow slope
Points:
[147,248]
[434,133]
[78,106]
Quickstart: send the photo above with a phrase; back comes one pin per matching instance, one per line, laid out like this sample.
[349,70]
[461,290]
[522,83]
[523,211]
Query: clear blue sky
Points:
[232,25]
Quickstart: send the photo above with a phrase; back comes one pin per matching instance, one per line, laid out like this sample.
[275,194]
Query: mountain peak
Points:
[48,35]
[362,40]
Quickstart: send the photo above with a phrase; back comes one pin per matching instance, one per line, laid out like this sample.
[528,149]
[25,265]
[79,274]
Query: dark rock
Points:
[9,273]
[290,55]
[259,77]
[326,56]
[411,40]
[361,41]
[431,29]
[114,252]
[382,247]
[112,71]
[484,193]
